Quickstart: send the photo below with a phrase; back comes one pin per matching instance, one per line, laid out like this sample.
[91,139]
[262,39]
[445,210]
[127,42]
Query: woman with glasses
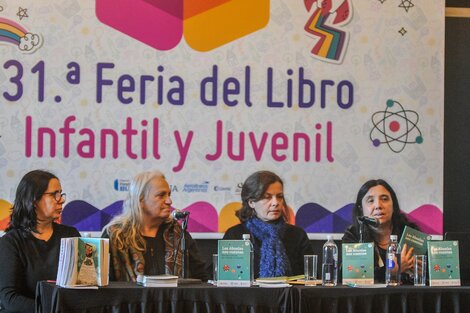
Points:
[29,250]
[145,240]
[279,248]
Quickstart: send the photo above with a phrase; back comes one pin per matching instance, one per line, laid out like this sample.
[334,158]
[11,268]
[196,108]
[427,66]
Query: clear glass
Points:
[420,270]
[310,267]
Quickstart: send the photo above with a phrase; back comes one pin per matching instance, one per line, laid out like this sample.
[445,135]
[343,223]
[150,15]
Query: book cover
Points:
[234,263]
[83,262]
[416,239]
[444,267]
[358,263]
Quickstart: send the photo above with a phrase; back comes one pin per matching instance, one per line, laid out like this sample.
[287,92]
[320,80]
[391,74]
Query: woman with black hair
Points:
[29,250]
[376,199]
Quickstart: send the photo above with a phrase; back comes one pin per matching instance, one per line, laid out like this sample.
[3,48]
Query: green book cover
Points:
[358,263]
[234,263]
[416,239]
[444,267]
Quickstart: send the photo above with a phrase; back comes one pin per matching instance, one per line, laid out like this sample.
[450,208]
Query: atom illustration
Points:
[395,127]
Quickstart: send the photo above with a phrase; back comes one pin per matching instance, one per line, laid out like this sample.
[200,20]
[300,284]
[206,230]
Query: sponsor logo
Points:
[222,188]
[191,188]
[121,184]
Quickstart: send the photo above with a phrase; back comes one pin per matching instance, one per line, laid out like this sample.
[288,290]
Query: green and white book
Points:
[416,239]
[444,267]
[358,263]
[234,263]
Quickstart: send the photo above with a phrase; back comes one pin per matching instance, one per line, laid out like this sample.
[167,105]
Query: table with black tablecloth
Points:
[128,297]
[402,299]
[131,298]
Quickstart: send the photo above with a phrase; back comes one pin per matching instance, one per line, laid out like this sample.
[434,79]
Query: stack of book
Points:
[160,281]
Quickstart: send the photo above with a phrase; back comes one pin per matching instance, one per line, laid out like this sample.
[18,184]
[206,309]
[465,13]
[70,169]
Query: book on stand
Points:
[416,239]
[234,263]
[83,262]
[444,267]
[358,263]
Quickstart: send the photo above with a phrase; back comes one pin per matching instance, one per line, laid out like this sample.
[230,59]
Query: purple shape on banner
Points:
[310,213]
[203,217]
[76,211]
[346,212]
[86,217]
[314,218]
[110,211]
[90,223]
[429,219]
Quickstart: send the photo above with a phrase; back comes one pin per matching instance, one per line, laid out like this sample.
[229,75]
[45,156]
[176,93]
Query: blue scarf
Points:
[273,261]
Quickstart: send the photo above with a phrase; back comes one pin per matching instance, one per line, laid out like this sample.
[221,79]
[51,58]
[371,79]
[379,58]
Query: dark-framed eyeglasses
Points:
[57,195]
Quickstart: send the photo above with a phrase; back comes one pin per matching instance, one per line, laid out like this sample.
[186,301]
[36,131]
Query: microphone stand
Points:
[361,231]
[184,251]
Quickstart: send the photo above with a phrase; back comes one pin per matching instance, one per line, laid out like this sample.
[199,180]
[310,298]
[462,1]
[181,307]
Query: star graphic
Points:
[402,31]
[406,4]
[22,13]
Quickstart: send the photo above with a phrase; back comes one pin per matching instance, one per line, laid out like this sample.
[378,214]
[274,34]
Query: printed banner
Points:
[327,94]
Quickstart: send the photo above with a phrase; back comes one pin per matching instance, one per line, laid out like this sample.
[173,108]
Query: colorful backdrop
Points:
[327,94]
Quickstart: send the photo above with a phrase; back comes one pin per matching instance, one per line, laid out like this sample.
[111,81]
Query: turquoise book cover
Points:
[416,239]
[444,266]
[233,263]
[358,263]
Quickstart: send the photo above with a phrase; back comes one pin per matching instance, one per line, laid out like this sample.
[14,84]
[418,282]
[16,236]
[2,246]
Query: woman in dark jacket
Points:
[376,199]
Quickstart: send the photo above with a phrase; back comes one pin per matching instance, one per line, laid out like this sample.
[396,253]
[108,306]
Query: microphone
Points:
[179,215]
[372,221]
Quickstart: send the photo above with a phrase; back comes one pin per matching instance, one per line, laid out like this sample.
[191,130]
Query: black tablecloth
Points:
[128,297]
[402,299]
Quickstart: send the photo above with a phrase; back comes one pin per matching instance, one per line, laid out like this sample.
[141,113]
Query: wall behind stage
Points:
[327,97]
[457,115]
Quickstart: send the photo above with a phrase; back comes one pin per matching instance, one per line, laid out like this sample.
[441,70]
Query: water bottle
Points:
[330,263]
[392,269]
[252,269]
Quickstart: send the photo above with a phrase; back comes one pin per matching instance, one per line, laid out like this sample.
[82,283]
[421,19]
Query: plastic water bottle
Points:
[330,263]
[393,270]
[252,269]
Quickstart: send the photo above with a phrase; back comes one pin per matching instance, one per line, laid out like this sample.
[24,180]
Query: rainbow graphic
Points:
[15,34]
[331,41]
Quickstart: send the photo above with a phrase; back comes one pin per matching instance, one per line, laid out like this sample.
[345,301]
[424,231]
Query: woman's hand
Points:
[407,260]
